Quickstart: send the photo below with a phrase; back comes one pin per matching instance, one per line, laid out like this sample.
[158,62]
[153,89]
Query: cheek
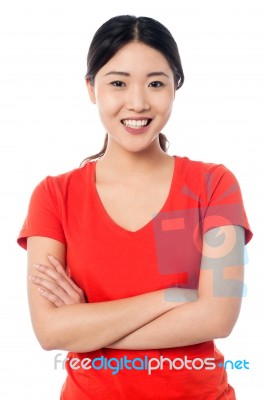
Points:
[164,106]
[109,105]
[108,109]
[164,101]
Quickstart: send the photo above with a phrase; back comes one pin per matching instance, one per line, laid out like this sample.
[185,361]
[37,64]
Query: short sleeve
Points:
[43,217]
[224,201]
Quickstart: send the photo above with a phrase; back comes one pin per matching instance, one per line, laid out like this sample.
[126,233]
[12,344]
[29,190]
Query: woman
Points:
[135,259]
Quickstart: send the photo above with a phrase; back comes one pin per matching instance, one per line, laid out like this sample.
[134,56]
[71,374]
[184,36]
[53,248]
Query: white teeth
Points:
[135,124]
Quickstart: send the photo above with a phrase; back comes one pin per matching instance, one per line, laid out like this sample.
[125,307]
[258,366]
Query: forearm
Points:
[212,316]
[62,321]
[90,326]
[186,325]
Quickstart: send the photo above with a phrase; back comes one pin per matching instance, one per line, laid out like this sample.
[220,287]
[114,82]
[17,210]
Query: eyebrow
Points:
[159,73]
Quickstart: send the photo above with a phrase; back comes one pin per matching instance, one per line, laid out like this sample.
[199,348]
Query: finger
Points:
[52,287]
[59,268]
[51,297]
[60,279]
[62,298]
[56,263]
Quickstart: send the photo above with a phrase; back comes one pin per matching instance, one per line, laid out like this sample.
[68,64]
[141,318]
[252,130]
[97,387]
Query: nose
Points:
[137,99]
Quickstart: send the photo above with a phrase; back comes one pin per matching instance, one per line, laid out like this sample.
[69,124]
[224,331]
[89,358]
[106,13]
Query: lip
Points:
[138,131]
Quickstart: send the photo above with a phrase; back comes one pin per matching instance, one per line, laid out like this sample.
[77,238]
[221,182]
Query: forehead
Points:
[137,57]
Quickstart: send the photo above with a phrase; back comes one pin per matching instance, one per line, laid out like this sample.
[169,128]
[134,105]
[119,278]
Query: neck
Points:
[119,160]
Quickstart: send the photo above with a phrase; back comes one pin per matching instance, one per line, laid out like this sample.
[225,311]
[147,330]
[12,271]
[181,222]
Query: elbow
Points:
[47,338]
[46,342]
[54,340]
[225,331]
[224,328]
[46,346]
[223,320]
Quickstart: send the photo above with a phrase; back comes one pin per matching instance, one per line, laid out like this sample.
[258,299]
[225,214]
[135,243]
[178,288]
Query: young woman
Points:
[135,258]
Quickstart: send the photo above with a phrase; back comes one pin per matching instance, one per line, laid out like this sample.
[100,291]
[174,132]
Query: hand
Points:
[59,289]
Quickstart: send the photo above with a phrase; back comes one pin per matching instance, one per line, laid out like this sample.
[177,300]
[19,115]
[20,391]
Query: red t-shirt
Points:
[109,262]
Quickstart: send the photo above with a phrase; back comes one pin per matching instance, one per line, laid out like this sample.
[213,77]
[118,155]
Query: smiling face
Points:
[134,92]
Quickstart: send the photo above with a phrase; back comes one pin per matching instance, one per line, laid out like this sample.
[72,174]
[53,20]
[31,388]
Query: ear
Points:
[91,91]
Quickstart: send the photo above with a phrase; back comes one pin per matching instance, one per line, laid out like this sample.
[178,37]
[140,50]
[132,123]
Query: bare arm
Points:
[216,311]
[84,326]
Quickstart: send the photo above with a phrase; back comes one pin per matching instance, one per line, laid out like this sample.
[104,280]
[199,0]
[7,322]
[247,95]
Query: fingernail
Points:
[37,266]
[31,277]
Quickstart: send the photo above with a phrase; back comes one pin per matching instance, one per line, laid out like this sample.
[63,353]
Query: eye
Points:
[117,84]
[156,84]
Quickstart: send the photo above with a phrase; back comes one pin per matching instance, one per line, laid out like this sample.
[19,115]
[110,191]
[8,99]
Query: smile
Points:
[136,124]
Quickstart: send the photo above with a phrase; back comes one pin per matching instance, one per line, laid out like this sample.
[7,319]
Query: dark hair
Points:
[119,31]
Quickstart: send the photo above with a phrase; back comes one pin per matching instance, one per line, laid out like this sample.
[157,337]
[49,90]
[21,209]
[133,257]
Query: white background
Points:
[48,126]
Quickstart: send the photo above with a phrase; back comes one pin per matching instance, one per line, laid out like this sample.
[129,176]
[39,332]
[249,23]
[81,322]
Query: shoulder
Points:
[62,182]
[200,167]
[217,190]
[206,174]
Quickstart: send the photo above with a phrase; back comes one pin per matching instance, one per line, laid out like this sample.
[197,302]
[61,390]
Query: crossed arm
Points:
[63,320]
